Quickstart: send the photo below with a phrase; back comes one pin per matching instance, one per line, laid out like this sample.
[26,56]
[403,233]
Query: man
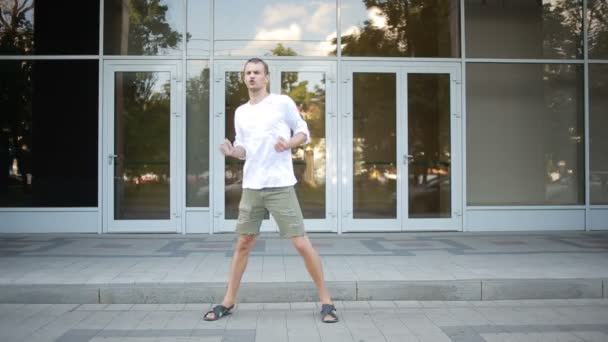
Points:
[263,139]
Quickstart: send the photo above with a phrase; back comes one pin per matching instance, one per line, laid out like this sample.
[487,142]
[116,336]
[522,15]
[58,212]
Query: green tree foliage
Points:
[281,50]
[149,32]
[414,28]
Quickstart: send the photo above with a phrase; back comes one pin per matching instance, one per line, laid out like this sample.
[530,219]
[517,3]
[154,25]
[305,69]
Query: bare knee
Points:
[245,243]
[302,244]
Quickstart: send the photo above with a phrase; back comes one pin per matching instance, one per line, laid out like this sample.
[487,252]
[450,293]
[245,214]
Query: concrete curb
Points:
[269,292]
[512,289]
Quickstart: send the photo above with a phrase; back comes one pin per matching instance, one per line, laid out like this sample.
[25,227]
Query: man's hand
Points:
[226,148]
[282,145]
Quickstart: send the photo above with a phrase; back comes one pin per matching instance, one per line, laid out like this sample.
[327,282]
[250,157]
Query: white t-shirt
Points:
[258,128]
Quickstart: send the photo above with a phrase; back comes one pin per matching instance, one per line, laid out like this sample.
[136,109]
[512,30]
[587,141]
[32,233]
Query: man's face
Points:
[254,76]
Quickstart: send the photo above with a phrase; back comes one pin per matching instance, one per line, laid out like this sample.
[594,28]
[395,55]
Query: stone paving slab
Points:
[127,268]
[519,320]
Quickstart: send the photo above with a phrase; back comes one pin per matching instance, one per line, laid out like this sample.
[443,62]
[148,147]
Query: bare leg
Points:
[239,262]
[313,266]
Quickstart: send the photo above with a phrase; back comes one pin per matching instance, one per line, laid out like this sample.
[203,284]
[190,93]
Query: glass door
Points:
[432,163]
[311,86]
[141,114]
[401,148]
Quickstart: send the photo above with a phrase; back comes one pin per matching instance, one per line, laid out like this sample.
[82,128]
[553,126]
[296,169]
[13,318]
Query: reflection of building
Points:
[419,122]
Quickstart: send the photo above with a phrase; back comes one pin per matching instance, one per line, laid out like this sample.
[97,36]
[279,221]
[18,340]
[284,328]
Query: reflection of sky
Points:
[314,20]
[258,25]
[313,78]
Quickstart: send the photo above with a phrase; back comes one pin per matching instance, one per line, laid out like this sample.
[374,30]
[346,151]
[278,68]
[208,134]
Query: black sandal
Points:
[219,311]
[328,309]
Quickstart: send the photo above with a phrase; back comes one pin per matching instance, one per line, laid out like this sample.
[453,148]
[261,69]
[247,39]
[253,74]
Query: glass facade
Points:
[48,133]
[275,28]
[58,27]
[401,28]
[143,27]
[375,145]
[525,134]
[598,122]
[524,89]
[197,134]
[524,29]
[598,29]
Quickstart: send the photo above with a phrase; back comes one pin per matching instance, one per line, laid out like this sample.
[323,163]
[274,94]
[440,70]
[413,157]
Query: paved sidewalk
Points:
[122,268]
[491,321]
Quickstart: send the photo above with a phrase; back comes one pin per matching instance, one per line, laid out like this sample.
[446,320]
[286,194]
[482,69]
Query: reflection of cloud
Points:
[266,40]
[293,32]
[353,30]
[322,18]
[282,12]
[376,17]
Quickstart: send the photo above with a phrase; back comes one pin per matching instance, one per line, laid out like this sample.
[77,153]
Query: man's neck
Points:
[256,97]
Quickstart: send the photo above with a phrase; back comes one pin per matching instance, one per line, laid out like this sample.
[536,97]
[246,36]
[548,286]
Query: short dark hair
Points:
[256,61]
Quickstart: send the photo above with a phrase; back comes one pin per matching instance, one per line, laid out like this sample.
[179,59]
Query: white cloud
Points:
[377,17]
[293,32]
[323,18]
[351,30]
[282,12]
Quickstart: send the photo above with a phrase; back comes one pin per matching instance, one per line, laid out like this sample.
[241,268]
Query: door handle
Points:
[111,158]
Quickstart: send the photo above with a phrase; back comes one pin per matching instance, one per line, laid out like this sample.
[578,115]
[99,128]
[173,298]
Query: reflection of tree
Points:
[145,122]
[16,30]
[598,29]
[563,27]
[16,37]
[420,28]
[281,50]
[197,99]
[149,33]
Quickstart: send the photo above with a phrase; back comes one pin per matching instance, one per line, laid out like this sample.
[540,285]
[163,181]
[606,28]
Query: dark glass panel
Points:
[142,168]
[197,134]
[143,27]
[401,28]
[48,133]
[58,27]
[598,122]
[430,172]
[524,28]
[598,29]
[525,134]
[374,145]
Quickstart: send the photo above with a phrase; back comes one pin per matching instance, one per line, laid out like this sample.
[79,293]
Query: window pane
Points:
[272,27]
[598,29]
[58,27]
[307,89]
[198,27]
[429,148]
[401,28]
[525,134]
[235,95]
[598,122]
[143,27]
[142,171]
[48,133]
[197,134]
[524,28]
[374,145]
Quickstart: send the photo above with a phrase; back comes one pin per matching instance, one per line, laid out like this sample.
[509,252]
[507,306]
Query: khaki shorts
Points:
[281,202]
